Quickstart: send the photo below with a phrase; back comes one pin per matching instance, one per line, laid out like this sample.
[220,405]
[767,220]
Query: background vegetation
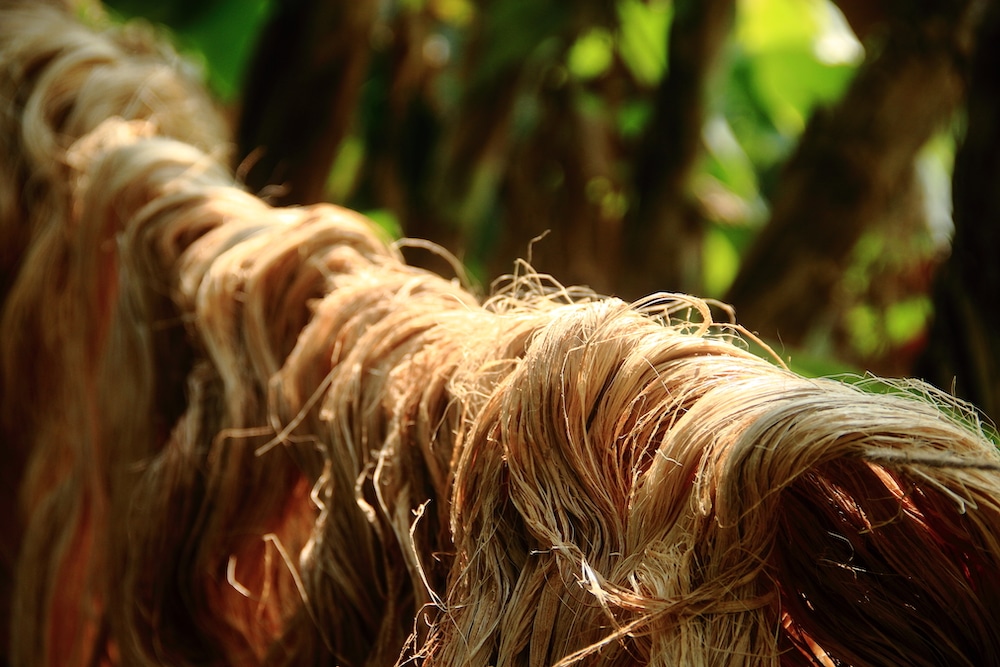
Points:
[794,158]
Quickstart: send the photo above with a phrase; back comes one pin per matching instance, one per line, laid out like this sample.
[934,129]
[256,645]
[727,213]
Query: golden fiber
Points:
[248,435]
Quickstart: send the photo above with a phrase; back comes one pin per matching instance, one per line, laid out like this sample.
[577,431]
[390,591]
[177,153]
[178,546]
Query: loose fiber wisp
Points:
[241,435]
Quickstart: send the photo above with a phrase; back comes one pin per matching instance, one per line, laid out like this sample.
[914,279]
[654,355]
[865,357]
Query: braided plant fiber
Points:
[246,435]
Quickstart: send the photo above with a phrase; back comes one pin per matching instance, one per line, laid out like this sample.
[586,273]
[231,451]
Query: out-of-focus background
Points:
[828,168]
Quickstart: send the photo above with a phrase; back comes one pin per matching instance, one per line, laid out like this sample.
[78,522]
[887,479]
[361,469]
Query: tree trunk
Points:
[850,162]
[962,352]
[663,232]
[301,92]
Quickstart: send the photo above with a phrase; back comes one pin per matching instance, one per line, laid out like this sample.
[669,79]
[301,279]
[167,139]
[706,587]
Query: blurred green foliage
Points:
[217,34]
[643,38]
[784,58]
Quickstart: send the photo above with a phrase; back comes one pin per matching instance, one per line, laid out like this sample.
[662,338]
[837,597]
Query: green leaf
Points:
[800,53]
[591,54]
[225,35]
[346,167]
[642,42]
[905,320]
[726,159]
[720,261]
[762,25]
[750,120]
[815,366]
[387,221]
[218,34]
[791,82]
[454,12]
[863,324]
[633,117]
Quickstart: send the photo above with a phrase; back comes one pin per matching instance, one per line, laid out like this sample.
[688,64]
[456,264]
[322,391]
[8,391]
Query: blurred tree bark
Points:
[300,95]
[662,249]
[848,165]
[963,351]
[557,169]
[477,137]
[630,230]
[562,183]
[500,66]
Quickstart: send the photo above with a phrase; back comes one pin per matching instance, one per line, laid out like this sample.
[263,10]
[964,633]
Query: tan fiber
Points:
[246,435]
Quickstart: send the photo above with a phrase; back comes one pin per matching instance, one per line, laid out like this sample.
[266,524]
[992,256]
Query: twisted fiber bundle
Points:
[249,435]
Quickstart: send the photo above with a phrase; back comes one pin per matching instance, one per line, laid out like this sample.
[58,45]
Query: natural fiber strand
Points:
[250,435]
